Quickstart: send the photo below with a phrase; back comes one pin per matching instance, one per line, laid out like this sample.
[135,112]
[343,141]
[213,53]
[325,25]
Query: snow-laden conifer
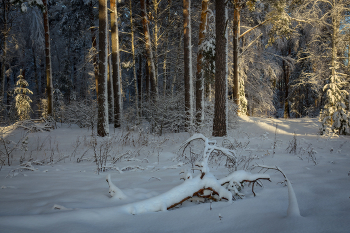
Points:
[22,99]
[335,117]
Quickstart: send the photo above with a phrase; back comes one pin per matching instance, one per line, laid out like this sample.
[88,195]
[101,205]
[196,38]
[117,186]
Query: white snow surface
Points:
[66,196]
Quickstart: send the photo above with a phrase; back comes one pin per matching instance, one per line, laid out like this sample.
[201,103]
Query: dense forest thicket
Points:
[174,65]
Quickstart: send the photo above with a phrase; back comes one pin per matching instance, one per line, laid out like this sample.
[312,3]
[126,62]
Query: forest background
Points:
[175,65]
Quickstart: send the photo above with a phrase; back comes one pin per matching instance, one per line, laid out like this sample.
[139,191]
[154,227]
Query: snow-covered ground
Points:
[63,195]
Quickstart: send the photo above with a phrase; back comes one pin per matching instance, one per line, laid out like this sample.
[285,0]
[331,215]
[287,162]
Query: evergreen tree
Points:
[335,113]
[22,99]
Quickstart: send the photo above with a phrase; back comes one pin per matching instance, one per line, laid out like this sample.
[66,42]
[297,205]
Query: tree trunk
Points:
[156,38]
[286,74]
[3,69]
[139,83]
[110,82]
[49,86]
[134,63]
[116,66]
[236,34]
[199,74]
[173,87]
[188,63]
[147,81]
[37,89]
[5,6]
[102,121]
[94,46]
[150,60]
[165,68]
[220,122]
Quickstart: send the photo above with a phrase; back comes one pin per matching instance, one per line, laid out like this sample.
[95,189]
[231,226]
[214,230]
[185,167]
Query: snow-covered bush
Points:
[8,146]
[166,115]
[102,150]
[82,113]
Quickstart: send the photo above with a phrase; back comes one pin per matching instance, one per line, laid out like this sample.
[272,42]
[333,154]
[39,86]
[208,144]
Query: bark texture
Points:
[188,62]
[94,45]
[150,60]
[134,62]
[219,125]
[49,86]
[199,74]
[236,35]
[117,87]
[102,121]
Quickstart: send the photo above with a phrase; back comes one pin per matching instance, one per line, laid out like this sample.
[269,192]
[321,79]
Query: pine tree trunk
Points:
[147,82]
[165,68]
[139,83]
[156,39]
[36,80]
[4,48]
[134,63]
[286,74]
[220,122]
[49,86]
[3,69]
[173,88]
[199,74]
[110,83]
[150,59]
[94,45]
[188,63]
[236,34]
[102,121]
[117,86]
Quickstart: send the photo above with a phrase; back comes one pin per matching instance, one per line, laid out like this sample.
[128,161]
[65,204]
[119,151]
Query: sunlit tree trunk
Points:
[110,83]
[134,62]
[49,86]
[165,67]
[188,63]
[199,74]
[117,86]
[94,45]
[102,121]
[236,34]
[156,38]
[148,45]
[220,122]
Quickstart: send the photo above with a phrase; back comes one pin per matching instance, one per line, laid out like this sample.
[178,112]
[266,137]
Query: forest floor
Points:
[60,190]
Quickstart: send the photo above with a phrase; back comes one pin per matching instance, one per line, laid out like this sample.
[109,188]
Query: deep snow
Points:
[67,196]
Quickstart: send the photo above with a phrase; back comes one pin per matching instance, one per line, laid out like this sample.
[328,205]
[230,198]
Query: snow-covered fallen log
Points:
[207,187]
[179,194]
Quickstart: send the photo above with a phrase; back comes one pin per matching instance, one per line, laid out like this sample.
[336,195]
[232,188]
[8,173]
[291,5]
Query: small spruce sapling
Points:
[22,99]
